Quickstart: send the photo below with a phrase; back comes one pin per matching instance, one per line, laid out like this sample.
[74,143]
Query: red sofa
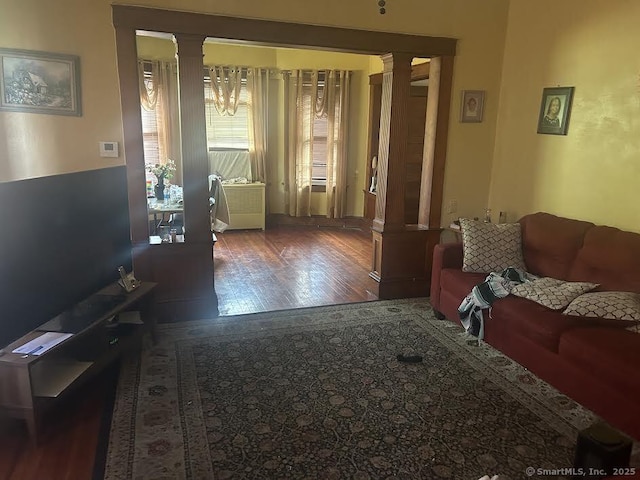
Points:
[594,361]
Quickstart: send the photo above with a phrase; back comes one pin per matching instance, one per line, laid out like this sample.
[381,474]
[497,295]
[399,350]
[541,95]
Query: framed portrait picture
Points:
[472,106]
[555,108]
[39,82]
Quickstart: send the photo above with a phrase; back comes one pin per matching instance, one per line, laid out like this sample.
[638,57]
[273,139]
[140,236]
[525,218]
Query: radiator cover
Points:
[246,205]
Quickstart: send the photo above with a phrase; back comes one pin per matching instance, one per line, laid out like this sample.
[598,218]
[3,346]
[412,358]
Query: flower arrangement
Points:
[162,170]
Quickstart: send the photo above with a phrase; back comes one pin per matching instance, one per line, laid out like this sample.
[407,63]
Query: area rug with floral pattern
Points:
[320,393]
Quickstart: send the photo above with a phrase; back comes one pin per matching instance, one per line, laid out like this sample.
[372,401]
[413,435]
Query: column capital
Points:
[188,44]
[395,59]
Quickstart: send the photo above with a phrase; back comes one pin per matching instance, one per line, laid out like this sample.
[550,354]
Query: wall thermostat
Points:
[109,149]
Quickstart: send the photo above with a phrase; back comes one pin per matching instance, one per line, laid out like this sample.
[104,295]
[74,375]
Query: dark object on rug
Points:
[602,449]
[409,358]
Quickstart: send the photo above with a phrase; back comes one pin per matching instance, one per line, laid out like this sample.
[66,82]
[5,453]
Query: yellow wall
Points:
[593,172]
[35,145]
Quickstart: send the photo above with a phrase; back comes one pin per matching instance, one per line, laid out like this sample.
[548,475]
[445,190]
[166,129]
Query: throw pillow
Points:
[612,305]
[489,247]
[551,292]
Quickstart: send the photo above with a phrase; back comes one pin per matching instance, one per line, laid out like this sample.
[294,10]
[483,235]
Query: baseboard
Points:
[280,219]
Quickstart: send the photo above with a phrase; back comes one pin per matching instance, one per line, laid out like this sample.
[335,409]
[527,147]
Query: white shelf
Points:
[51,378]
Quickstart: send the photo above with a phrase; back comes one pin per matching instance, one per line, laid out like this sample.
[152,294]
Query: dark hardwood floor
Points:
[292,267]
[281,268]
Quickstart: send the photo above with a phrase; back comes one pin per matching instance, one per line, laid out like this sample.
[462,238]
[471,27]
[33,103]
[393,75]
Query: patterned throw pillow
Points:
[613,305]
[552,293]
[489,247]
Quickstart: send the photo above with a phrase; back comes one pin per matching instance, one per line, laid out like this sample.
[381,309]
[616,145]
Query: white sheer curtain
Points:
[298,151]
[338,84]
[159,93]
[258,86]
[226,82]
[310,94]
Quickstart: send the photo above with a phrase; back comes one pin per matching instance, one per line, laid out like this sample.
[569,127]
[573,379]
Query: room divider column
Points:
[393,139]
[193,137]
[399,250]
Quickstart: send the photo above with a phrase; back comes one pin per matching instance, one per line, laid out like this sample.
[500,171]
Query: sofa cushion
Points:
[613,305]
[611,354]
[551,292]
[531,320]
[610,257]
[550,243]
[489,247]
[459,283]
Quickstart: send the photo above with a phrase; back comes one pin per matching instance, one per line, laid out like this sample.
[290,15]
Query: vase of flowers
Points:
[162,171]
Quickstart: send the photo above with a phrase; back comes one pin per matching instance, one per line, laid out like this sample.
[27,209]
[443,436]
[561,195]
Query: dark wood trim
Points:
[435,141]
[270,32]
[193,138]
[420,71]
[390,191]
[401,49]
[132,125]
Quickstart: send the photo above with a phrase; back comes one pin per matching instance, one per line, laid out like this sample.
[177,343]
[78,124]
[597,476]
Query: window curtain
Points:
[298,151]
[338,85]
[225,87]
[226,83]
[258,86]
[161,96]
[309,94]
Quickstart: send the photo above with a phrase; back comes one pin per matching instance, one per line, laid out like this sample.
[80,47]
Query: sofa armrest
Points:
[445,255]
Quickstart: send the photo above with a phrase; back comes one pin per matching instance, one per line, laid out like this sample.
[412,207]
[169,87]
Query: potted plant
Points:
[162,171]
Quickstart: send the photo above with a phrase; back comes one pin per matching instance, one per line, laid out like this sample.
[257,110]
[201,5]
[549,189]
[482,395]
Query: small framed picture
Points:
[472,106]
[555,109]
[39,82]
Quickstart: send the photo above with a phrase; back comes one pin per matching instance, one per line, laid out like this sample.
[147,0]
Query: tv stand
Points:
[30,384]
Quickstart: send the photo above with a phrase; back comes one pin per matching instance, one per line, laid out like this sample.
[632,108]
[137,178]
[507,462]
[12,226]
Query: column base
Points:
[402,262]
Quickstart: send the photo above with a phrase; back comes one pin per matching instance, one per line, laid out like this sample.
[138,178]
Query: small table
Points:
[162,207]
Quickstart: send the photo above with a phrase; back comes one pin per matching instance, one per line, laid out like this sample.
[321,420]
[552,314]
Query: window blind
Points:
[227,131]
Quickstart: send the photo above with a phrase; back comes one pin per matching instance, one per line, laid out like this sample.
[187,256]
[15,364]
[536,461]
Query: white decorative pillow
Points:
[489,247]
[551,292]
[612,305]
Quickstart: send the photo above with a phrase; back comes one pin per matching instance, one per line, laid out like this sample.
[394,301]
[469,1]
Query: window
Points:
[150,137]
[226,132]
[320,133]
[319,170]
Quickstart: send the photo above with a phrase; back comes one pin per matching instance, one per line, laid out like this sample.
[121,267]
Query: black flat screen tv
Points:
[62,238]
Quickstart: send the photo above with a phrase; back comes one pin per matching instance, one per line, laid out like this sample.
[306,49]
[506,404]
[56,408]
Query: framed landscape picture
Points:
[555,108]
[39,82]
[472,106]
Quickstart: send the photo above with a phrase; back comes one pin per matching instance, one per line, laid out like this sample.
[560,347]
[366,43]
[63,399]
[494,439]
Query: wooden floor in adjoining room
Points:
[292,267]
[280,268]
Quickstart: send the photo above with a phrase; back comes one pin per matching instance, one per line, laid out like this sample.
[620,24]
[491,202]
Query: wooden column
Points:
[193,133]
[393,136]
[435,143]
[183,271]
[398,250]
[132,127]
[435,152]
